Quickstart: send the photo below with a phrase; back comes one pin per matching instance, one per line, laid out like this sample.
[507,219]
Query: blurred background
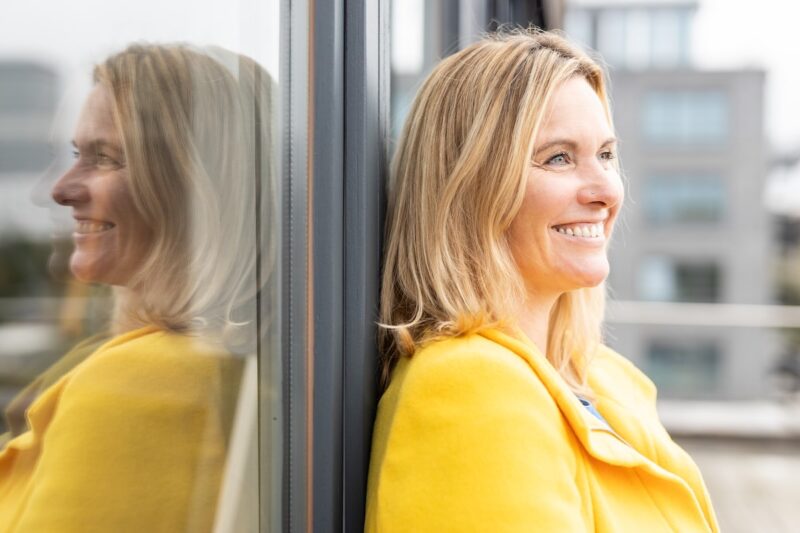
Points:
[705,277]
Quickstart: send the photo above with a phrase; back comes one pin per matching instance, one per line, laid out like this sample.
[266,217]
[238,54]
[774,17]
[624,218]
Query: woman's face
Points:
[111,238]
[572,197]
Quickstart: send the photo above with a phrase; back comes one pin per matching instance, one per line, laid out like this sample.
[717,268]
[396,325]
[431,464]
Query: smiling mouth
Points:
[85,227]
[587,231]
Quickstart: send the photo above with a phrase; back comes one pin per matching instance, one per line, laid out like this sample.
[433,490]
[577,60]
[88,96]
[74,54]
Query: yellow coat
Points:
[480,433]
[130,440]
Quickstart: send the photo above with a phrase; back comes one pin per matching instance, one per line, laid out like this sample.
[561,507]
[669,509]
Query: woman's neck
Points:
[534,319]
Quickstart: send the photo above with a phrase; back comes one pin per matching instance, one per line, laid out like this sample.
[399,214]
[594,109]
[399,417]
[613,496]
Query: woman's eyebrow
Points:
[97,145]
[555,142]
[610,140]
[569,143]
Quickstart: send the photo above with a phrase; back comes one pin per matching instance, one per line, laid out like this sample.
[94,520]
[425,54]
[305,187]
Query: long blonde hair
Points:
[457,182]
[197,136]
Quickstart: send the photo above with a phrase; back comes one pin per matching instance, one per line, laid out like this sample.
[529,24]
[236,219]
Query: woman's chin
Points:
[84,270]
[587,279]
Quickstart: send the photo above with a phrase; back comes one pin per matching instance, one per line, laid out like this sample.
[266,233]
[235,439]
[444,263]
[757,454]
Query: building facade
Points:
[695,229]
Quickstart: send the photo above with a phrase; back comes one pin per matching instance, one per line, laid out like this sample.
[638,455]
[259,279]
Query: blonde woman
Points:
[170,180]
[503,411]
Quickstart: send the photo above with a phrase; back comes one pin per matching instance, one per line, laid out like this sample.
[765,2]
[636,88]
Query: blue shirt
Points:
[592,409]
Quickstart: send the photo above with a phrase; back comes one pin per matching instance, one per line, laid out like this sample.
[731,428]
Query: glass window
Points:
[668,280]
[669,37]
[681,117]
[578,25]
[675,199]
[683,369]
[637,46]
[140,232]
[611,36]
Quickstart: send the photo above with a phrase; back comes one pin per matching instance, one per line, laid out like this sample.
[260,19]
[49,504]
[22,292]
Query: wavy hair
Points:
[196,129]
[457,181]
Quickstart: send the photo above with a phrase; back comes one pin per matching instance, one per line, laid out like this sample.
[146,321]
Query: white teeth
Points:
[594,231]
[87,226]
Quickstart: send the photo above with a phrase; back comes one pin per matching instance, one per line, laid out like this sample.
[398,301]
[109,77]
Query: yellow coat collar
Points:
[599,441]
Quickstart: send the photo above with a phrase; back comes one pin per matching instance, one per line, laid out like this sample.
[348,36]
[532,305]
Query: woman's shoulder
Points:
[473,364]
[448,355]
[153,360]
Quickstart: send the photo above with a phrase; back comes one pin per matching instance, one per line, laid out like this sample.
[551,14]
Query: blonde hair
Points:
[457,182]
[198,146]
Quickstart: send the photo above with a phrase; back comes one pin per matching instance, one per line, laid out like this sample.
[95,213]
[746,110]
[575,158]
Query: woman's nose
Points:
[603,187]
[69,189]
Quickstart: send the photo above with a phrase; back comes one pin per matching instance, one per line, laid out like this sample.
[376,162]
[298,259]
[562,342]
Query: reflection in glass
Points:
[172,191]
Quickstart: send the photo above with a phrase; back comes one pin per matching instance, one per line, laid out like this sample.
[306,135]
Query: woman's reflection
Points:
[171,181]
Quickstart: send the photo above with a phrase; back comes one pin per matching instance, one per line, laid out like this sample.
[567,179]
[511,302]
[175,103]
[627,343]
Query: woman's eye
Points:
[106,160]
[558,160]
[75,154]
[608,155]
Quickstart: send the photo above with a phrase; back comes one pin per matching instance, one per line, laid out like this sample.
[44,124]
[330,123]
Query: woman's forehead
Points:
[96,127]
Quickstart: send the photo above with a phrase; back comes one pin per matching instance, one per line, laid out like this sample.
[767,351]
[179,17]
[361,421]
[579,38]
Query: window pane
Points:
[611,36]
[140,229]
[684,369]
[667,37]
[669,280]
[578,25]
[685,117]
[683,199]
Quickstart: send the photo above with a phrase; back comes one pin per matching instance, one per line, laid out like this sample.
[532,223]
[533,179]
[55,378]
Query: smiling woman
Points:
[171,181]
[573,193]
[111,238]
[502,410]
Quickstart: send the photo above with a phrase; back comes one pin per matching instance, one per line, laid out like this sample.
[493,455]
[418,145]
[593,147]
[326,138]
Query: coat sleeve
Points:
[475,443]
[134,446]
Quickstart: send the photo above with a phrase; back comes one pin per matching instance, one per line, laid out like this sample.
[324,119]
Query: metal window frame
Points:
[350,117]
[336,99]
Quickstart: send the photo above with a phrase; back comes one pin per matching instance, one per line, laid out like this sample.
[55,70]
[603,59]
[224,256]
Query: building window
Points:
[667,280]
[686,117]
[676,199]
[611,36]
[579,26]
[634,37]
[669,38]
[683,368]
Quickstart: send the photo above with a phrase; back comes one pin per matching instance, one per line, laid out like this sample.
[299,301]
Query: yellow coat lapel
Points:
[605,444]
